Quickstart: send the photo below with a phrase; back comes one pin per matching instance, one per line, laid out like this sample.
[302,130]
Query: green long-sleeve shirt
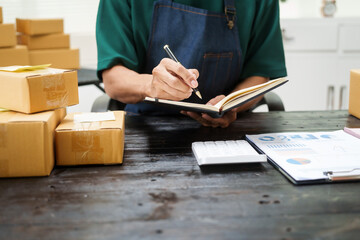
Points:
[123,27]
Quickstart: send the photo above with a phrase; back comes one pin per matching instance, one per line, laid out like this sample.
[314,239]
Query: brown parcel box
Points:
[47,41]
[7,35]
[58,58]
[40,90]
[17,55]
[90,143]
[1,15]
[27,143]
[39,26]
[354,95]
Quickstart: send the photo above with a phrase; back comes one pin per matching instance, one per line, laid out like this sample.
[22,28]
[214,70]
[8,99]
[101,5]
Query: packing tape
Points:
[50,71]
[86,126]
[85,142]
[55,90]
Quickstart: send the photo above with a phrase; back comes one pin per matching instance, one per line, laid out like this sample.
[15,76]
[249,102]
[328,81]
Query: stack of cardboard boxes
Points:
[41,41]
[10,53]
[33,124]
[37,100]
[47,43]
[33,101]
[354,94]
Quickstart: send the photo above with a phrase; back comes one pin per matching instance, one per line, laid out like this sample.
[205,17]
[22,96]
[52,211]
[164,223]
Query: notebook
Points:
[229,102]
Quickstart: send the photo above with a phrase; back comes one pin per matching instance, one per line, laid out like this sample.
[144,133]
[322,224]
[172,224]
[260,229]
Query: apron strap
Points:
[230,12]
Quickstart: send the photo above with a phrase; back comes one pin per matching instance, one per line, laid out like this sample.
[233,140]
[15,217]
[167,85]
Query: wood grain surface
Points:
[159,192]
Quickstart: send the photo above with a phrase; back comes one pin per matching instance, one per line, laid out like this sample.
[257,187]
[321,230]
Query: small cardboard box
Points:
[58,58]
[27,143]
[48,41]
[38,90]
[1,15]
[7,35]
[354,95]
[39,26]
[17,55]
[99,141]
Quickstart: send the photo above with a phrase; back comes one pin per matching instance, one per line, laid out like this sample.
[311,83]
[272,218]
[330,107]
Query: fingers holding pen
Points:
[172,81]
[189,76]
[196,74]
[168,85]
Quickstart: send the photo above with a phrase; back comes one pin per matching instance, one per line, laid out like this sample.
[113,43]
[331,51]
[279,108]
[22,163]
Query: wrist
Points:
[146,85]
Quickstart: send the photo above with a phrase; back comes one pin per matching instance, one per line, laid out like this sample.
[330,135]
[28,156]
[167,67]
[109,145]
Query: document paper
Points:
[310,155]
[94,117]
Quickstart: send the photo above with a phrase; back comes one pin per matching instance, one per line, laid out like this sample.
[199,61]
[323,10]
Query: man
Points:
[223,46]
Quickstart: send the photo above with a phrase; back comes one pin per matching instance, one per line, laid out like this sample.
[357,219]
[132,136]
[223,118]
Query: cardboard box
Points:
[17,55]
[7,35]
[48,41]
[97,142]
[354,95]
[58,58]
[39,90]
[39,26]
[27,143]
[1,15]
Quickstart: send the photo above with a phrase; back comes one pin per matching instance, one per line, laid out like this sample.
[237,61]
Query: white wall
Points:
[311,8]
[79,15]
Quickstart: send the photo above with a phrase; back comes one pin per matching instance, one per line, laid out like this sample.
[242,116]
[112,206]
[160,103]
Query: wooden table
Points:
[160,192]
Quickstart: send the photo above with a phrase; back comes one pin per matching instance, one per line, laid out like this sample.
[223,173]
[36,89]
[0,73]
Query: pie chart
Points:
[298,161]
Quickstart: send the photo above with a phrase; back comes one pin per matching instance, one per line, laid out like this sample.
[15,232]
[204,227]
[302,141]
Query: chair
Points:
[273,102]
[105,103]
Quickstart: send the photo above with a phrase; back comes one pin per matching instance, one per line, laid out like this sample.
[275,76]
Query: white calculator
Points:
[226,152]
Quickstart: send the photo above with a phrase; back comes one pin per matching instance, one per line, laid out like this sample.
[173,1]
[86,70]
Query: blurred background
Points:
[321,41]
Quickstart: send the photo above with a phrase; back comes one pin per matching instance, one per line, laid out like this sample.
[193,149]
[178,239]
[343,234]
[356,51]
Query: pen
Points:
[172,56]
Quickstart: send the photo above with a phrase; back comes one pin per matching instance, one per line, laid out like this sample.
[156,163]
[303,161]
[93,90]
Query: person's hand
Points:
[172,81]
[208,121]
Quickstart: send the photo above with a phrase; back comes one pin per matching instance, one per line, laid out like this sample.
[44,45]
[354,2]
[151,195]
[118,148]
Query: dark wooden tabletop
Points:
[159,192]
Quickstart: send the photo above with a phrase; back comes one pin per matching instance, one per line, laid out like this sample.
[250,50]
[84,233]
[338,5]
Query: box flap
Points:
[357,71]
[69,124]
[24,68]
[6,115]
[32,73]
[17,47]
[10,116]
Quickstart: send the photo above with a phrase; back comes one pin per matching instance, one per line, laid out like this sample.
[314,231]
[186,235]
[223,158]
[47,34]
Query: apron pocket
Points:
[215,74]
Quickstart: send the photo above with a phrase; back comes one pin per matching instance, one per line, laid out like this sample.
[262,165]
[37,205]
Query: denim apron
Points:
[200,39]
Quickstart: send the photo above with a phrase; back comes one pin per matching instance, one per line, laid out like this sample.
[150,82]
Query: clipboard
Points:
[344,175]
[311,157]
